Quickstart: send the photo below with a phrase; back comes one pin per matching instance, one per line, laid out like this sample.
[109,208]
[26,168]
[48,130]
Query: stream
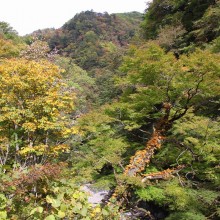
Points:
[96,197]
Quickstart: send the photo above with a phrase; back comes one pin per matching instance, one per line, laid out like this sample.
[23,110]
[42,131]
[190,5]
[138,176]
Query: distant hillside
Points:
[180,26]
[88,36]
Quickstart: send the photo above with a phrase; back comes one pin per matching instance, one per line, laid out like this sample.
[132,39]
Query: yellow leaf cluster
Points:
[34,103]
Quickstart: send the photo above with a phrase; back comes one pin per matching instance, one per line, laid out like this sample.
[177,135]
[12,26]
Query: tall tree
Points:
[163,89]
[158,91]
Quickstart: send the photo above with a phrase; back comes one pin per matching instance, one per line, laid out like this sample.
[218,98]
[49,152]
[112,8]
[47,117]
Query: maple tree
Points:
[170,87]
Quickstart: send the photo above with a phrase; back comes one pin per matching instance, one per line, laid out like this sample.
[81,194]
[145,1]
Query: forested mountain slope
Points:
[182,25]
[96,43]
[89,36]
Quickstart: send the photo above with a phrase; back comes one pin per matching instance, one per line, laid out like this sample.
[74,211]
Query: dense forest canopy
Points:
[186,23]
[125,102]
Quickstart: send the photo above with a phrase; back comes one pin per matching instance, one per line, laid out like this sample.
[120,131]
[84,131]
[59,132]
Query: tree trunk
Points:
[142,158]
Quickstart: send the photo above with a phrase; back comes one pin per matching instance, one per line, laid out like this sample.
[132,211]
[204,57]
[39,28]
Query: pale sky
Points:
[26,16]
